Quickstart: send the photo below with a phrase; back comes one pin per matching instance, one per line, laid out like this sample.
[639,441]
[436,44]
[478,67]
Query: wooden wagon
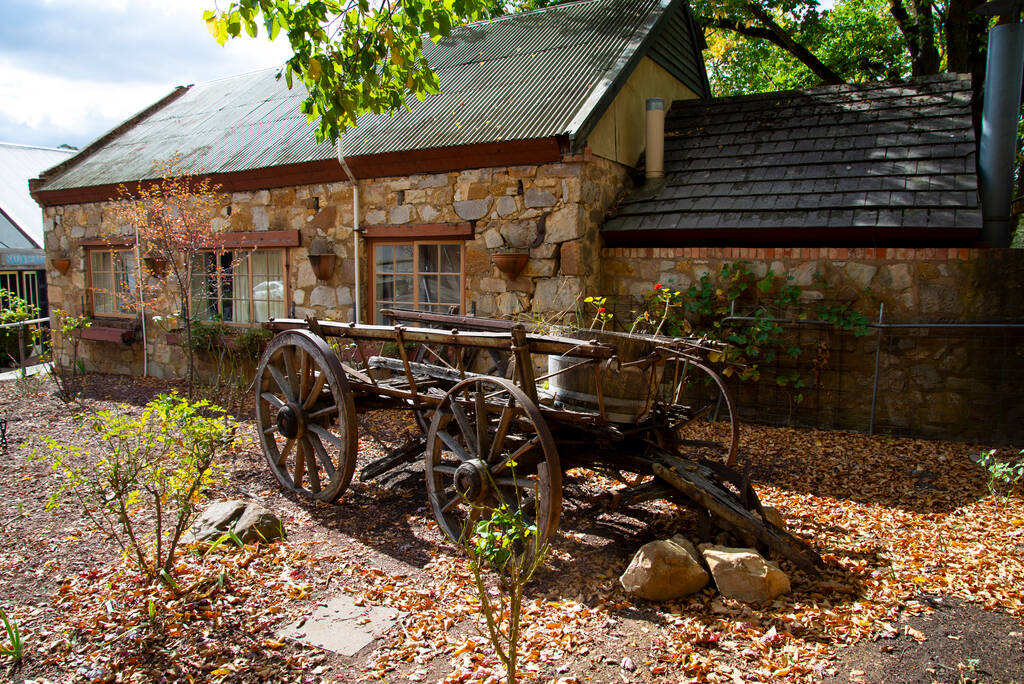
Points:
[506,410]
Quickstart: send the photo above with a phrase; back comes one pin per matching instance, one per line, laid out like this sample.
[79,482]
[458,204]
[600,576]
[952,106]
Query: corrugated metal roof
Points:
[18,163]
[523,76]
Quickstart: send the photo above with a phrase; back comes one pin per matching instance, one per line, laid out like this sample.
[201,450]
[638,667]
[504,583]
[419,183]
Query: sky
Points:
[71,70]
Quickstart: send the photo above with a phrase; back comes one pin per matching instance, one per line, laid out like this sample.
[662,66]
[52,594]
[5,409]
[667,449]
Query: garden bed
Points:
[922,561]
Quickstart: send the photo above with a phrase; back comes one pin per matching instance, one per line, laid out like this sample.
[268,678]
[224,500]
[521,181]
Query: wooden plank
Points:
[539,344]
[420,230]
[98,333]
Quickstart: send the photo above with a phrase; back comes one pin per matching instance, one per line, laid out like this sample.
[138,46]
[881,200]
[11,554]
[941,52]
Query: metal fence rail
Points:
[22,332]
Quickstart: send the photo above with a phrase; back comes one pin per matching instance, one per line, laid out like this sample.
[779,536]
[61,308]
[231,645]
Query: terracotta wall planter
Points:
[510,263]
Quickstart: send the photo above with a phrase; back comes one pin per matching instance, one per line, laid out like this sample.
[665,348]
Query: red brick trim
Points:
[802,253]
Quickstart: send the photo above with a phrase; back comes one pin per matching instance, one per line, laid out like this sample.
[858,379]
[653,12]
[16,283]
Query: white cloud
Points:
[69,71]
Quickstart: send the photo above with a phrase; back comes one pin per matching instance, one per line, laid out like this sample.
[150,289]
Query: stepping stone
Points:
[341,626]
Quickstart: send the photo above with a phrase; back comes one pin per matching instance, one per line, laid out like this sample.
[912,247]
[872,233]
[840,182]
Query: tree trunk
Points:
[919,35]
[786,42]
[966,50]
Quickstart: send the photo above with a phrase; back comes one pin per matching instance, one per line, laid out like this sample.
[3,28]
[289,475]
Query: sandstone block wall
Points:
[505,206]
[935,377]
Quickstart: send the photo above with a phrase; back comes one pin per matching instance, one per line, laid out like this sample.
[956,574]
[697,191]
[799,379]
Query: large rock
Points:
[663,570]
[250,521]
[742,574]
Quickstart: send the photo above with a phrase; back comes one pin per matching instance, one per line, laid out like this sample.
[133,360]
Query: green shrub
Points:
[15,310]
[144,483]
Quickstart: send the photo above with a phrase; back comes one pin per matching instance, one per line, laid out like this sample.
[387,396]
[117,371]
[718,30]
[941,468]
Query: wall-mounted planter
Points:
[510,263]
[155,264]
[323,265]
[62,264]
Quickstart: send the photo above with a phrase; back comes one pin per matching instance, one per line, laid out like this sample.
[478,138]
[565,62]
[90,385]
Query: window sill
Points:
[107,333]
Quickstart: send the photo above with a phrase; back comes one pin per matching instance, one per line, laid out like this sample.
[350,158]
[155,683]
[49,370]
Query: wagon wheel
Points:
[483,426]
[306,416]
[483,361]
[701,413]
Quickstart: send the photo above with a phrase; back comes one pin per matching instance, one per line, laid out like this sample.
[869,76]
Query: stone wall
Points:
[935,377]
[504,205]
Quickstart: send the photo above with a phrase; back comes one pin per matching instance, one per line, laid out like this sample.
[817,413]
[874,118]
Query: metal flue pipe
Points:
[998,148]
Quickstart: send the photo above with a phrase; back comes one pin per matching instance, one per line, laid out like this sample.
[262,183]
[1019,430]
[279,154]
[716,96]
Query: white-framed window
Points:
[240,286]
[425,275]
[112,281]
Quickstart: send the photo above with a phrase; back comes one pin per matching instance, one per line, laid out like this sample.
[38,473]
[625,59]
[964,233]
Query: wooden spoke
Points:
[300,463]
[468,429]
[504,422]
[314,392]
[281,381]
[310,444]
[326,411]
[481,425]
[453,444]
[272,400]
[312,467]
[321,453]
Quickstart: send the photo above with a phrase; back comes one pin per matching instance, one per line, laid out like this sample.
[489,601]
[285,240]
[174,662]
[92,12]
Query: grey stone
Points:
[260,220]
[663,570]
[519,233]
[563,224]
[250,521]
[742,574]
[861,274]
[493,239]
[324,296]
[556,294]
[400,214]
[375,216]
[471,210]
[339,625]
[539,197]
[506,206]
[77,232]
[508,304]
[299,297]
[428,212]
[437,180]
[803,275]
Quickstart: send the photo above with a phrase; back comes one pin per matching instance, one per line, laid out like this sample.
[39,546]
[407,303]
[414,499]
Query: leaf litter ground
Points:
[924,578]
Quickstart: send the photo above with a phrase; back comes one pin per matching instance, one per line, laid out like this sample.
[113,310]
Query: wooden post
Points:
[521,351]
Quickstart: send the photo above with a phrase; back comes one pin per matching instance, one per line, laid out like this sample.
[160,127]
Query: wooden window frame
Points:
[373,243]
[111,247]
[248,251]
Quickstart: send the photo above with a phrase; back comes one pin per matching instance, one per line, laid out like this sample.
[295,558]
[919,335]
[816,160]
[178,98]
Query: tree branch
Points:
[778,36]
[786,41]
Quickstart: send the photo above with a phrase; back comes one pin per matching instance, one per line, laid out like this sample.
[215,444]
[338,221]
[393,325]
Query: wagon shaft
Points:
[699,485]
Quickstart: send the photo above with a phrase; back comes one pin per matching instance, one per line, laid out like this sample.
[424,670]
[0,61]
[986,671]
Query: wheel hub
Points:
[291,421]
[471,480]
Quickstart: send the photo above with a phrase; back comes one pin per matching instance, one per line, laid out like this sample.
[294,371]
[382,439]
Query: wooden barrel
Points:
[626,390]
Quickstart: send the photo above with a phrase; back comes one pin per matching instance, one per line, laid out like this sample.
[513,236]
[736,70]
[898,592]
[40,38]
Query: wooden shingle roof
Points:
[853,164]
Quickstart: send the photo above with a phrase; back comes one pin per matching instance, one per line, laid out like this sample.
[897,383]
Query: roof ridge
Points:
[837,88]
[38,147]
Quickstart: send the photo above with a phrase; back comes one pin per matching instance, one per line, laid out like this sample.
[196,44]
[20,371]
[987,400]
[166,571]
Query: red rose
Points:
[601,310]
[657,286]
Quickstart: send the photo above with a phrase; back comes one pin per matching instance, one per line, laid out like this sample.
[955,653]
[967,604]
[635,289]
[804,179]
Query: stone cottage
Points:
[538,143]
[531,140]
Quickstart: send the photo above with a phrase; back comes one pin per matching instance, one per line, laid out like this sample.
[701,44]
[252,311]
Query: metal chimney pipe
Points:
[998,148]
[654,160]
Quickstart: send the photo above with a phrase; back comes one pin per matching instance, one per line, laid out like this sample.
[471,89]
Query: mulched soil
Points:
[924,578]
